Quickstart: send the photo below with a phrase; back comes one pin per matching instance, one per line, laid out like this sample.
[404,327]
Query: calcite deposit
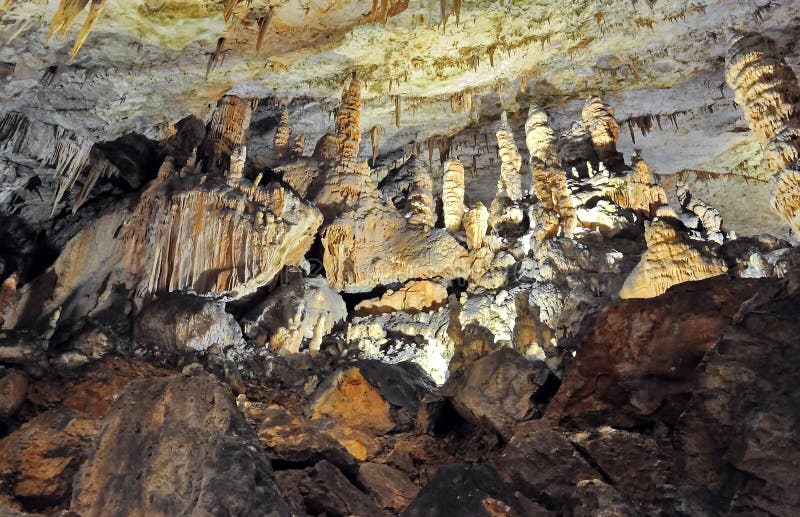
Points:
[372,258]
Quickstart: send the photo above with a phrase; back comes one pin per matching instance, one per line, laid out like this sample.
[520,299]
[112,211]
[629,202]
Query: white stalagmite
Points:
[453,194]
[476,224]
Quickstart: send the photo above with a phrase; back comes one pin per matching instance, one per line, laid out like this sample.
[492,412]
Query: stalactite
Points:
[510,183]
[283,136]
[298,146]
[457,10]
[214,58]
[476,224]
[65,14]
[263,26]
[348,120]
[375,141]
[230,5]
[444,143]
[397,110]
[94,12]
[453,195]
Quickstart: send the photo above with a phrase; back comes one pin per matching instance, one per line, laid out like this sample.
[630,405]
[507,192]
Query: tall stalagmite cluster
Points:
[348,120]
[767,88]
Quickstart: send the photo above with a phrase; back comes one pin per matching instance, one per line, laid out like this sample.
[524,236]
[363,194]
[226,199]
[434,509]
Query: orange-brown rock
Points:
[412,297]
[390,487]
[638,362]
[40,459]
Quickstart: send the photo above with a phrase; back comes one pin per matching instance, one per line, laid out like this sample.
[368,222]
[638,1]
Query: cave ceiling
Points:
[429,67]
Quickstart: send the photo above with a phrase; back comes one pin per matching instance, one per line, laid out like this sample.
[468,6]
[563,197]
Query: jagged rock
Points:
[539,136]
[463,489]
[179,323]
[739,432]
[574,148]
[13,389]
[323,489]
[453,195]
[541,464]
[421,338]
[709,216]
[373,396]
[638,362]
[786,196]
[510,182]
[391,488]
[496,312]
[41,458]
[297,316]
[476,224]
[186,425]
[598,118]
[669,260]
[412,297]
[499,390]
[292,440]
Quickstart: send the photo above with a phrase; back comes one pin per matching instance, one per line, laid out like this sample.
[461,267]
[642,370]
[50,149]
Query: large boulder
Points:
[179,323]
[176,446]
[500,390]
[639,361]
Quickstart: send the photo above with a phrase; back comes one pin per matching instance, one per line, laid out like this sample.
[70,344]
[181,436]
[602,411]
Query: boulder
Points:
[13,389]
[176,446]
[390,488]
[373,396]
[638,362]
[499,390]
[180,323]
[41,458]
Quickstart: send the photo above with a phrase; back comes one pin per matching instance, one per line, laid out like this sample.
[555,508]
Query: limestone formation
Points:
[709,216]
[283,136]
[227,131]
[296,316]
[669,260]
[603,129]
[420,200]
[510,182]
[539,136]
[348,120]
[476,224]
[550,186]
[786,196]
[453,195]
[640,192]
[412,297]
[298,146]
[327,148]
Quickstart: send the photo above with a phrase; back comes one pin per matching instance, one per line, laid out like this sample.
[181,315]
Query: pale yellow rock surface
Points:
[415,296]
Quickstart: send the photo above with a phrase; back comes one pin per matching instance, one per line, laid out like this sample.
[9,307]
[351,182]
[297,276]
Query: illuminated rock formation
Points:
[453,195]
[420,200]
[327,149]
[283,136]
[669,260]
[709,216]
[412,297]
[66,13]
[539,136]
[598,118]
[510,182]
[767,89]
[227,131]
[641,194]
[476,224]
[550,186]
[298,146]
[296,316]
[348,120]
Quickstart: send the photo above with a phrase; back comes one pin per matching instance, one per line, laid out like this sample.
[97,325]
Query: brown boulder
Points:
[499,390]
[388,486]
[176,446]
[639,362]
[13,389]
[40,459]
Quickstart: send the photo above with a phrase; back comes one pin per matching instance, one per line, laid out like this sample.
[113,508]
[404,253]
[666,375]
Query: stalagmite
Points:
[476,224]
[766,87]
[510,183]
[709,216]
[598,118]
[238,160]
[420,200]
[453,195]
[539,136]
[641,194]
[348,120]
[668,260]
[8,289]
[227,131]
[283,136]
[298,146]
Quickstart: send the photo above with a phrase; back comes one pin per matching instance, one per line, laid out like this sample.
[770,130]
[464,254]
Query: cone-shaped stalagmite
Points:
[283,136]
[453,195]
[420,199]
[476,224]
[539,136]
[598,119]
[510,162]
